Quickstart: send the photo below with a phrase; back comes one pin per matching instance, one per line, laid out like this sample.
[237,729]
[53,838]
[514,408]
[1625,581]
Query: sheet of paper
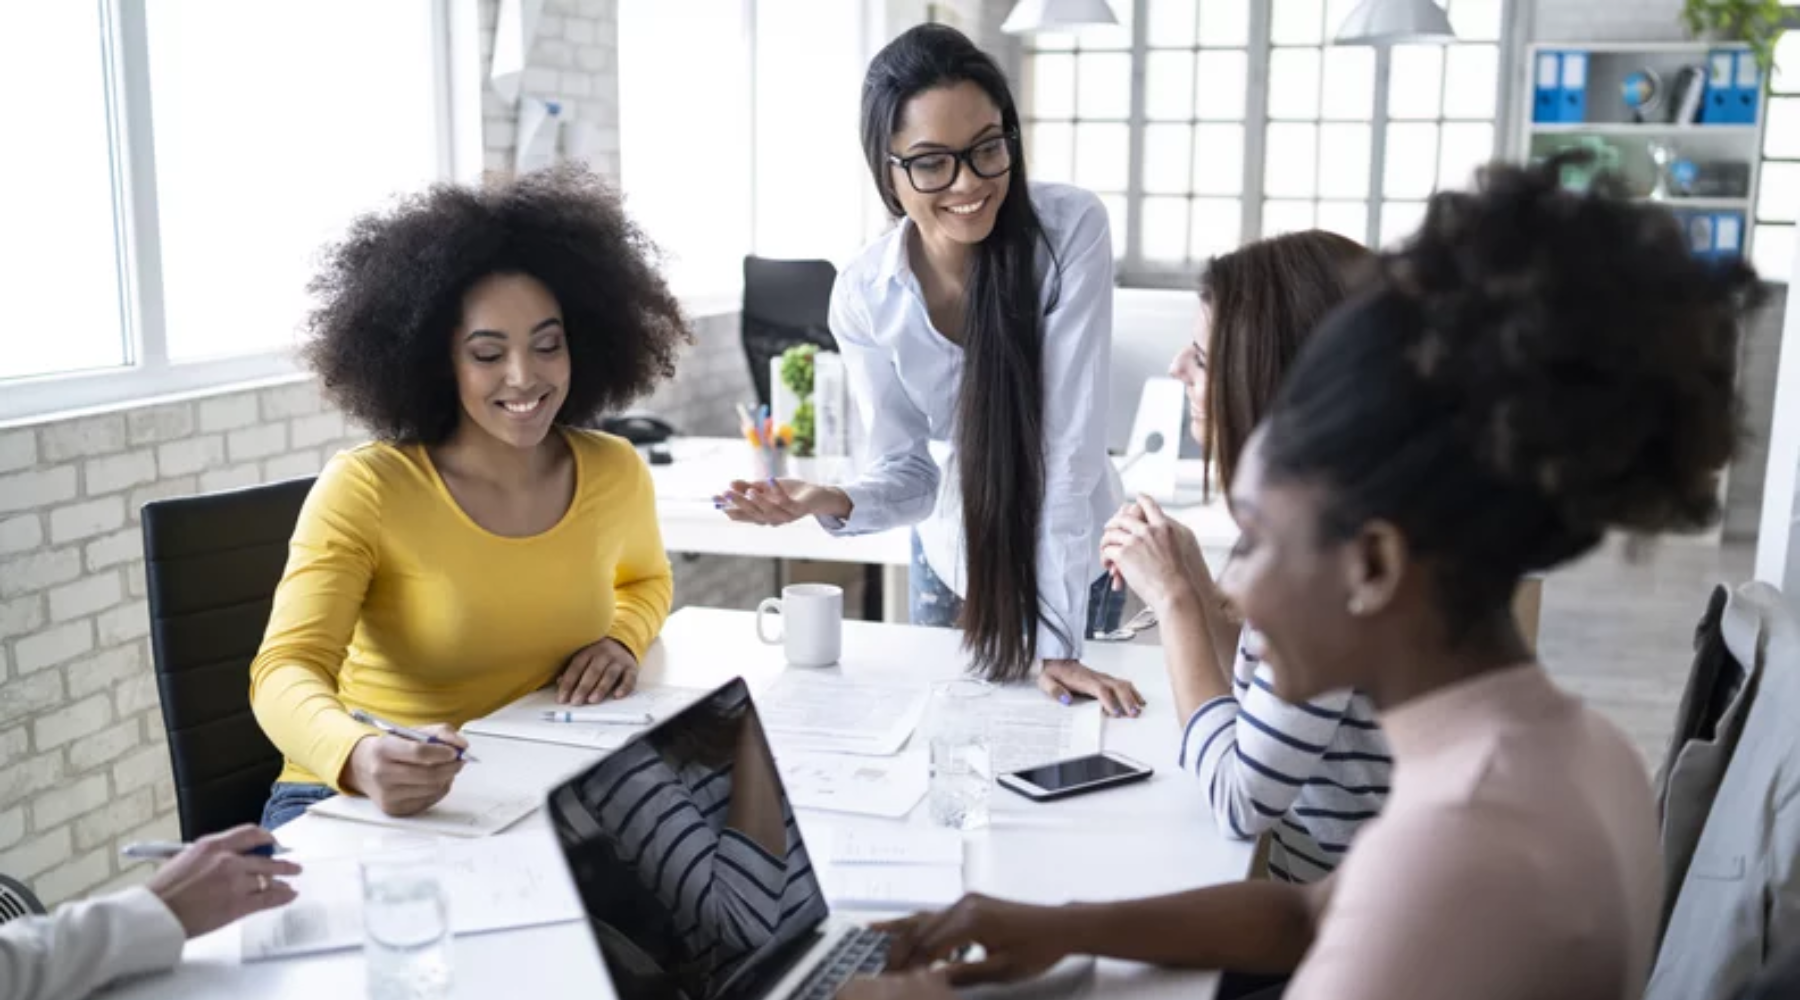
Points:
[893,845]
[515,27]
[505,784]
[523,719]
[872,786]
[540,122]
[831,713]
[518,880]
[1027,729]
[891,887]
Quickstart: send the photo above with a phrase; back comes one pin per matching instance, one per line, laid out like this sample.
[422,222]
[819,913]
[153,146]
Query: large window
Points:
[173,185]
[1206,123]
[1778,191]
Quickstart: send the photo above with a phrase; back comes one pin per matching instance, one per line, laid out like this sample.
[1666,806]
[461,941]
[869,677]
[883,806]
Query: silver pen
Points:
[408,733]
[162,850]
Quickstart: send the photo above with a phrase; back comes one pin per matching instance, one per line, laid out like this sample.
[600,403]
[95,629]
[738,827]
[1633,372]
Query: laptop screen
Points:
[684,849]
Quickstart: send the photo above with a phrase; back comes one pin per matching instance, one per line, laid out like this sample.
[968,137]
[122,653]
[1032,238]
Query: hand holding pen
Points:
[405,770]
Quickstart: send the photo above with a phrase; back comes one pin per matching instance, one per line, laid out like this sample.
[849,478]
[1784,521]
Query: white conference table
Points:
[1154,837]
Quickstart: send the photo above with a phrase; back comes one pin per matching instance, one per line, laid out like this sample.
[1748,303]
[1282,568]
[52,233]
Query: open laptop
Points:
[696,881]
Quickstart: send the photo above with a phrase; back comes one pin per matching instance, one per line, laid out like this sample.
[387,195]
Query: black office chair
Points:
[785,303]
[212,563]
[16,901]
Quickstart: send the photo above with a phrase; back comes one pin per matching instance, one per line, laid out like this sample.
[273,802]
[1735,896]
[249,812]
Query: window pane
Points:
[1781,136]
[1476,20]
[1350,83]
[1166,158]
[1399,219]
[1105,85]
[1169,85]
[1411,162]
[1773,252]
[1344,150]
[1225,22]
[1115,217]
[1220,83]
[1786,78]
[1416,77]
[1172,23]
[1052,151]
[1466,147]
[1294,83]
[1053,86]
[1218,227]
[1052,42]
[1471,81]
[1219,159]
[1778,194]
[1165,230]
[1286,217]
[1111,36]
[1346,218]
[1101,157]
[1291,163]
[1298,22]
[59,274]
[236,261]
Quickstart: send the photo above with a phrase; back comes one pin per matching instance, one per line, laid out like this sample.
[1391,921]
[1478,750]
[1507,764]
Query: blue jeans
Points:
[933,603]
[288,799]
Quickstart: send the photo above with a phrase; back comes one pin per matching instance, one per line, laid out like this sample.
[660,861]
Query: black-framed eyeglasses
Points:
[936,171]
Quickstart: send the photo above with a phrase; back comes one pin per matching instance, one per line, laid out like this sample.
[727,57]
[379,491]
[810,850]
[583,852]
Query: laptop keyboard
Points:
[860,952]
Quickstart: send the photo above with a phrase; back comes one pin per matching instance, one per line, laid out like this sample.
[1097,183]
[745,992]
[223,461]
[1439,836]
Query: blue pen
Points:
[162,850]
[405,733]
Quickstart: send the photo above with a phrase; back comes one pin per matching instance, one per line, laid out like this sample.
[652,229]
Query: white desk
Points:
[1153,837]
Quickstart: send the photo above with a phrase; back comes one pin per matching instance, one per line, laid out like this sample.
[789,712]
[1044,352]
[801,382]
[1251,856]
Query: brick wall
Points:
[574,61]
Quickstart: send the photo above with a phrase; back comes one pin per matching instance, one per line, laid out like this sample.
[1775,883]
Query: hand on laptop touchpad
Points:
[1070,977]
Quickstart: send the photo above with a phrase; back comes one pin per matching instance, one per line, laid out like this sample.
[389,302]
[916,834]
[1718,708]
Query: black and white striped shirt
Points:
[1311,773]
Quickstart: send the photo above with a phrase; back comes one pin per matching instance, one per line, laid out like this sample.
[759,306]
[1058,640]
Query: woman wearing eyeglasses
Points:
[981,324]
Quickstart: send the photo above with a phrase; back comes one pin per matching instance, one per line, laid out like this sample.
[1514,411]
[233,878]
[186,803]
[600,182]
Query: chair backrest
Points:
[785,303]
[211,564]
[16,901]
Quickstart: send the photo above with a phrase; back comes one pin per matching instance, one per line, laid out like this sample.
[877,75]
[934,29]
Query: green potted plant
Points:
[1756,23]
[797,375]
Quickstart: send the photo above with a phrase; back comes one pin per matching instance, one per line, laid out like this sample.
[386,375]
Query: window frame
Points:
[147,372]
[1753,220]
[1133,271]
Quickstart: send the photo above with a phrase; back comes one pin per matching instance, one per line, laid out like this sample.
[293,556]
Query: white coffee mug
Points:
[812,623]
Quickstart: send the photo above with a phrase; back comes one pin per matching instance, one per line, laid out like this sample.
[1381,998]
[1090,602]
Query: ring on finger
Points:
[262,883]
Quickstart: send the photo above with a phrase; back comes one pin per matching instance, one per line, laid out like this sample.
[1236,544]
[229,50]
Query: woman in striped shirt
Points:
[1309,773]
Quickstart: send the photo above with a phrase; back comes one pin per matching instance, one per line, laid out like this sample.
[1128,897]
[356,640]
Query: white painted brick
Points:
[86,596]
[18,450]
[118,472]
[541,80]
[38,854]
[111,550]
[21,534]
[230,479]
[548,26]
[154,732]
[310,432]
[553,52]
[81,438]
[256,442]
[579,30]
[59,805]
[299,465]
[38,487]
[134,579]
[298,400]
[142,768]
[135,694]
[496,132]
[53,646]
[558,7]
[149,425]
[593,58]
[227,413]
[23,615]
[21,778]
[134,874]
[102,670]
[38,571]
[14,742]
[496,160]
[85,520]
[12,827]
[165,793]
[122,624]
[103,747]
[162,489]
[74,879]
[56,728]
[577,84]
[595,8]
[196,454]
[102,825]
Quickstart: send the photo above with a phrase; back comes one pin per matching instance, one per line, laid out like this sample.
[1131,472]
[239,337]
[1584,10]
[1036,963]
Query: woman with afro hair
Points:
[484,545]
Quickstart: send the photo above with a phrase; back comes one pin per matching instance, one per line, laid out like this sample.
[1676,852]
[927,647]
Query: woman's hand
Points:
[595,673]
[780,501]
[1020,941]
[920,984]
[1062,679]
[1158,558]
[214,882]
[401,776]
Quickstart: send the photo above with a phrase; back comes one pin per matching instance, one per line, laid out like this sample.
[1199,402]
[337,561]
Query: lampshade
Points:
[1393,22]
[1031,17]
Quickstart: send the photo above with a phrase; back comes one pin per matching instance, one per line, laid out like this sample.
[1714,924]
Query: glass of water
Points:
[961,770]
[406,928]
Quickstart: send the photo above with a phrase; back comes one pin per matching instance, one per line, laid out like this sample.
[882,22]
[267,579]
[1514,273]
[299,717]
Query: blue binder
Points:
[1700,234]
[1721,78]
[1546,105]
[1746,90]
[1573,90]
[1727,236]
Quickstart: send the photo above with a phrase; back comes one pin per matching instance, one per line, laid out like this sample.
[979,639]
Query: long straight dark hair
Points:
[1000,406]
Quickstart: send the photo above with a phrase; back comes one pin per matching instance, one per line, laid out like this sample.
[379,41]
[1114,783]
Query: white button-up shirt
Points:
[906,377]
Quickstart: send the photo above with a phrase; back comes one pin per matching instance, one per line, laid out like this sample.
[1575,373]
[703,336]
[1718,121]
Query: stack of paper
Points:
[831,713]
[872,786]
[524,719]
[890,868]
[506,783]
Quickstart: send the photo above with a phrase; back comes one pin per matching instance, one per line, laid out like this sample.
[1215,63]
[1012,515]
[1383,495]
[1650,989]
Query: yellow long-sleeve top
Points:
[394,601]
